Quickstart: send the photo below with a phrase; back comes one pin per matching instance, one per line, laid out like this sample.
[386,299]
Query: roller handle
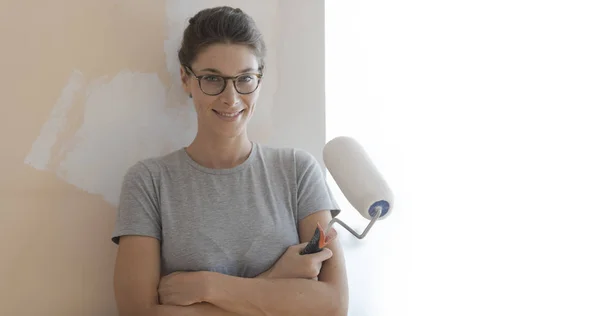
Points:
[313,244]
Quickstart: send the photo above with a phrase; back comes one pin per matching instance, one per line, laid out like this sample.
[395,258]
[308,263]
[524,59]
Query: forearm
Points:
[167,310]
[207,309]
[201,309]
[259,296]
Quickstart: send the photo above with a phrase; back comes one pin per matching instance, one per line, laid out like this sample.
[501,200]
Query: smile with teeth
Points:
[229,114]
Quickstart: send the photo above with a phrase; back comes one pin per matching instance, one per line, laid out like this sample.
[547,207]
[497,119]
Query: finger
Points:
[165,299]
[323,255]
[319,266]
[299,247]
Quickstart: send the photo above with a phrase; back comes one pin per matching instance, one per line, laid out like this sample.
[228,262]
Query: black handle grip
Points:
[313,244]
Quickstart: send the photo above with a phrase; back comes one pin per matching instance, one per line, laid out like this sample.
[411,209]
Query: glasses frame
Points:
[226,79]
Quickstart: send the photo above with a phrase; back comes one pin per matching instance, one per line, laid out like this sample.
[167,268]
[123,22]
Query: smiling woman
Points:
[215,100]
[218,226]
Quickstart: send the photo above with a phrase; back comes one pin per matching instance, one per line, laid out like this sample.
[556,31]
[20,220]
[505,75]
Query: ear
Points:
[185,80]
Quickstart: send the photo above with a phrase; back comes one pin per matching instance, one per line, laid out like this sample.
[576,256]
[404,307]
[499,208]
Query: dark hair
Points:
[220,25]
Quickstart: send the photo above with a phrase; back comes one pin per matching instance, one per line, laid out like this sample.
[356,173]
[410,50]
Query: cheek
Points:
[250,101]
[204,103]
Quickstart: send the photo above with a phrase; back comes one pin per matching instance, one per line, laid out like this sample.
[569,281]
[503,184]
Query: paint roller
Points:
[360,182]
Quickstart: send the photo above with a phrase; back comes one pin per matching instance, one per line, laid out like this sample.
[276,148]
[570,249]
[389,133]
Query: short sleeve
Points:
[313,192]
[138,211]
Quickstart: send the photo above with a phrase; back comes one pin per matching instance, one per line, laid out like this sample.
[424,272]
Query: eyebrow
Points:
[218,72]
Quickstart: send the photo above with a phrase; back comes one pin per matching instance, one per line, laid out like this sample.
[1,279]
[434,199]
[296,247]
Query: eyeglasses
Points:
[215,84]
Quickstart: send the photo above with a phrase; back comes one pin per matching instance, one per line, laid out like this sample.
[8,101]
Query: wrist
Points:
[203,281]
[212,286]
[221,289]
[266,274]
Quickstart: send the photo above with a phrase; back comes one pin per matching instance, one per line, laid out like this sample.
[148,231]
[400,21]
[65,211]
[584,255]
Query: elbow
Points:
[340,310]
[342,303]
[336,310]
[338,304]
[148,310]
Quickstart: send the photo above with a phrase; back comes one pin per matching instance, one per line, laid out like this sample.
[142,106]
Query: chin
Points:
[232,133]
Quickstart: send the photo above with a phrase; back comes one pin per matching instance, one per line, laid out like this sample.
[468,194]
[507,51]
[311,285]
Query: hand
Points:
[180,288]
[294,265]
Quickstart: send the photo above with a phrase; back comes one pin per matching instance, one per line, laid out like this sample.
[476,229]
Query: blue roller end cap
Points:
[385,207]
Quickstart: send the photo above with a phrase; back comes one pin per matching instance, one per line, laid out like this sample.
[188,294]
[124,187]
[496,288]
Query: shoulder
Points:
[304,159]
[147,169]
[289,157]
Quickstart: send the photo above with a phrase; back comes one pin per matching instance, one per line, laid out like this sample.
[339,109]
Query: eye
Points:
[211,78]
[245,78]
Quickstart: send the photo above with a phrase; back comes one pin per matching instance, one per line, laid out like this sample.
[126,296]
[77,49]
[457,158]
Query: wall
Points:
[90,87]
[484,118]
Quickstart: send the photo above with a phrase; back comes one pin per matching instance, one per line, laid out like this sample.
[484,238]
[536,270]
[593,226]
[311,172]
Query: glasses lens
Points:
[246,83]
[212,84]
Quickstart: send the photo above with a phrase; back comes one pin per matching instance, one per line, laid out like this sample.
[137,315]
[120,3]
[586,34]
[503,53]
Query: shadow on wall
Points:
[90,88]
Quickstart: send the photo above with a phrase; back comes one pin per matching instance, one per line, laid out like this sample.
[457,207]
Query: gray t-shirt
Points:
[235,221]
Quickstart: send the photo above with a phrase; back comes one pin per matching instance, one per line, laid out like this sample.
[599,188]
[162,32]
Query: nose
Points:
[230,96]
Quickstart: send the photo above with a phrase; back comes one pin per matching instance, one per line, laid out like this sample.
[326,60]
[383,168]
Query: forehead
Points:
[228,59]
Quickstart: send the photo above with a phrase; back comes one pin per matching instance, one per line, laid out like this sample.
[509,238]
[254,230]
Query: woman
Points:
[216,228]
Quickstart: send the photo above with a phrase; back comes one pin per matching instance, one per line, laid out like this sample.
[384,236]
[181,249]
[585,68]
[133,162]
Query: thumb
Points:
[324,254]
[299,247]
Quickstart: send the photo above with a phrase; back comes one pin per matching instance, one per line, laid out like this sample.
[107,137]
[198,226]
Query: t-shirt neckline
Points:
[205,169]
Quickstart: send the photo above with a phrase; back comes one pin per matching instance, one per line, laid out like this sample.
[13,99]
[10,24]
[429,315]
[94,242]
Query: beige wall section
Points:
[80,80]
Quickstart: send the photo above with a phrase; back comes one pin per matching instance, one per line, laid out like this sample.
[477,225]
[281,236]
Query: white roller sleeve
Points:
[356,175]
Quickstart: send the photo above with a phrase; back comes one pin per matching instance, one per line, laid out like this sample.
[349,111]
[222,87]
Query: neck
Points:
[217,152]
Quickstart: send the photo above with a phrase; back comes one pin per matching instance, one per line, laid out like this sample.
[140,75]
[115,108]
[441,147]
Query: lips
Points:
[229,114]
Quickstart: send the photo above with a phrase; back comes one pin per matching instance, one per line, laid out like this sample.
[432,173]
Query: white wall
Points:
[485,118]
[299,117]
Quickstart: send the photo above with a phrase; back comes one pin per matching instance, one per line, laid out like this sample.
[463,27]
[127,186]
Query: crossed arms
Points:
[295,285]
